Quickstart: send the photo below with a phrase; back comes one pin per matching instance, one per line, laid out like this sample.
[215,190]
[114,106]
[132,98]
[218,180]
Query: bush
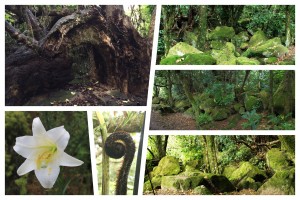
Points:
[204,118]
[253,119]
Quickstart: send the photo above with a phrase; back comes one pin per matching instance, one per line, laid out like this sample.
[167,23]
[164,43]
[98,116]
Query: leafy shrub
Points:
[204,118]
[281,122]
[253,119]
[223,94]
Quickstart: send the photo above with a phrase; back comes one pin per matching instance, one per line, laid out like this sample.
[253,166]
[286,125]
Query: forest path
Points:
[87,94]
[171,121]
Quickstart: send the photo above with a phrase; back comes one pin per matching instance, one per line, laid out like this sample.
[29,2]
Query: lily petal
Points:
[27,166]
[25,145]
[47,176]
[37,127]
[67,160]
[59,136]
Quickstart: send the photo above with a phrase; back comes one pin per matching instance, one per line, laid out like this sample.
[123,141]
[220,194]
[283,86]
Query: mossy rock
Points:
[155,100]
[269,61]
[276,159]
[208,104]
[269,48]
[281,183]
[217,44]
[156,183]
[192,164]
[258,38]
[189,112]
[237,107]
[201,190]
[219,114]
[189,59]
[240,38]
[248,183]
[225,56]
[181,49]
[175,183]
[168,165]
[247,61]
[228,170]
[190,38]
[182,105]
[242,110]
[220,183]
[252,102]
[290,61]
[221,33]
[247,170]
[244,45]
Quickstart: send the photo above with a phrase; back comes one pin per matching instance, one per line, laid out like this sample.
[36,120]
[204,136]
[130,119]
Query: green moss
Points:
[264,97]
[281,183]
[207,104]
[185,183]
[240,38]
[189,59]
[156,183]
[181,49]
[276,159]
[252,102]
[270,60]
[237,107]
[216,44]
[247,61]
[182,105]
[244,45]
[190,38]
[168,165]
[201,190]
[155,100]
[221,33]
[189,112]
[219,114]
[225,56]
[246,170]
[258,38]
[228,170]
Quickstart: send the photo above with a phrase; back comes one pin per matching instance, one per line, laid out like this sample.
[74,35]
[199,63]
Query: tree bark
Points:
[287,25]
[202,14]
[271,104]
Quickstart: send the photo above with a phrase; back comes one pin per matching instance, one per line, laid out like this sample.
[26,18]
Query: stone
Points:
[219,114]
[247,61]
[201,190]
[189,59]
[228,170]
[156,183]
[237,107]
[244,46]
[168,165]
[182,183]
[258,38]
[182,105]
[240,38]
[221,33]
[276,159]
[221,184]
[155,100]
[216,44]
[225,56]
[181,49]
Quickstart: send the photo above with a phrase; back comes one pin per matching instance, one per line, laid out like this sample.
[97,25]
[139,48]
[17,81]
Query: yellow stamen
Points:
[45,157]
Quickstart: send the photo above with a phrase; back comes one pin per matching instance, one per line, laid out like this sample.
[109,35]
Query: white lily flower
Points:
[44,153]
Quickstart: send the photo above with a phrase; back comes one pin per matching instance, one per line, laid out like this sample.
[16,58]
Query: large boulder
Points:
[219,114]
[225,56]
[221,33]
[182,105]
[247,61]
[201,190]
[189,59]
[277,160]
[257,39]
[175,183]
[281,183]
[240,38]
[218,184]
[156,183]
[167,166]
[217,44]
[183,48]
[208,105]
[252,102]
[247,170]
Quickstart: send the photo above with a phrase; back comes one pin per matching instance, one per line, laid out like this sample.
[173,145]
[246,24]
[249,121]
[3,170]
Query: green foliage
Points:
[253,119]
[282,122]
[222,92]
[203,118]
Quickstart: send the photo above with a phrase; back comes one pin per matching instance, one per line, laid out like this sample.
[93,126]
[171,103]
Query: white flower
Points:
[44,153]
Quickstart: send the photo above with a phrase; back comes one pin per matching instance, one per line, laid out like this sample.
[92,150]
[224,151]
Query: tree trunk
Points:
[287,25]
[288,145]
[169,89]
[271,106]
[121,56]
[168,13]
[202,14]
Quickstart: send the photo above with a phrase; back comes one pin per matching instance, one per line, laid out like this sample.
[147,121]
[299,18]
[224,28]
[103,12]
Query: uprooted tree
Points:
[48,39]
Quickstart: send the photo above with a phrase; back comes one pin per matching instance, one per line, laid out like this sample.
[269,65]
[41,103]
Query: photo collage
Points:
[150,99]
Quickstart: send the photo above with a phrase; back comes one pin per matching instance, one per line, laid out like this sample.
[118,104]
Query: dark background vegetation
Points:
[71,180]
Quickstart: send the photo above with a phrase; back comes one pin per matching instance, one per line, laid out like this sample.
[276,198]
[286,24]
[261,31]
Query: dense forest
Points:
[71,180]
[126,130]
[215,100]
[77,55]
[227,35]
[220,164]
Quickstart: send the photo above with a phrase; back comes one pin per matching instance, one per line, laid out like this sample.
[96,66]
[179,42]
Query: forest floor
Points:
[190,192]
[180,121]
[87,94]
[171,121]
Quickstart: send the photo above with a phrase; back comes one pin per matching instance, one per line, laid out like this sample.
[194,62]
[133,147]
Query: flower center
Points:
[45,157]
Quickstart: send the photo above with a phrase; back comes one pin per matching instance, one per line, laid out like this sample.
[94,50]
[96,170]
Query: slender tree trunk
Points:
[271,106]
[169,89]
[202,14]
[105,157]
[168,13]
[287,25]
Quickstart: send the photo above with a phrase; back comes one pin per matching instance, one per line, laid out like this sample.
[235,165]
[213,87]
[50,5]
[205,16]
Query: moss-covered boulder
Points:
[217,44]
[244,45]
[190,38]
[264,97]
[189,59]
[252,102]
[247,170]
[242,110]
[258,38]
[240,38]
[221,33]
[181,49]
[219,114]
[269,48]
[276,159]
[218,183]
[208,105]
[189,112]
[225,56]
[268,61]
[248,183]
[182,105]
[168,165]
[156,183]
[247,61]
[175,183]
[155,100]
[228,170]
[237,107]
[281,183]
[201,190]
